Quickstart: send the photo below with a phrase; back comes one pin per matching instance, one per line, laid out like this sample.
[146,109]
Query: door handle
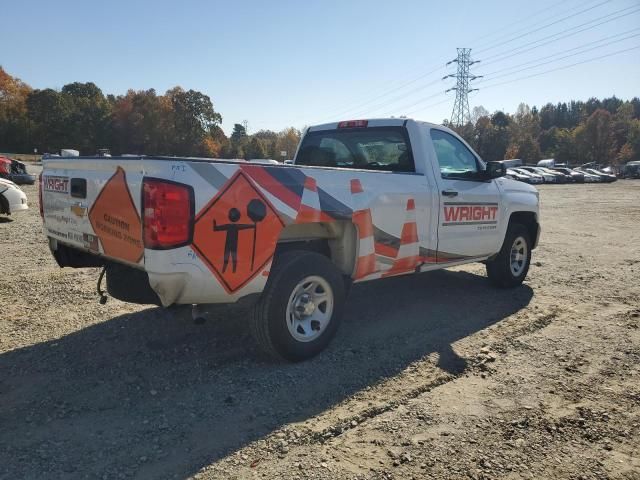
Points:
[449,193]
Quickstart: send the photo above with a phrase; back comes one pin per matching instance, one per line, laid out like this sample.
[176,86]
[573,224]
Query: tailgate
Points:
[94,204]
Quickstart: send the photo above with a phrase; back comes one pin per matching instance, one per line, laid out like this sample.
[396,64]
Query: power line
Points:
[503,34]
[558,59]
[522,48]
[375,107]
[399,97]
[411,112]
[562,67]
[412,104]
[560,53]
[537,74]
[400,87]
[403,85]
[507,68]
[545,26]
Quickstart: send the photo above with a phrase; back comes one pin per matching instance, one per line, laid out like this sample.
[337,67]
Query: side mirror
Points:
[495,170]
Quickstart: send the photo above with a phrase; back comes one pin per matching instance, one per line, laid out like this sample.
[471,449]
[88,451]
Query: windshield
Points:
[372,148]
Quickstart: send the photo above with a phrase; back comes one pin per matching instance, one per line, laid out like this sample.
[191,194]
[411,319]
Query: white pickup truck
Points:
[364,200]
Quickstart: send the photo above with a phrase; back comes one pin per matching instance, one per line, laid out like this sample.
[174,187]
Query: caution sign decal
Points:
[115,220]
[235,234]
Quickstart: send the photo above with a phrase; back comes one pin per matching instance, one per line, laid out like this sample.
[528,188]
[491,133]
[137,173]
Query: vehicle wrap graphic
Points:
[78,209]
[55,184]
[115,220]
[237,245]
[463,213]
[235,234]
[237,227]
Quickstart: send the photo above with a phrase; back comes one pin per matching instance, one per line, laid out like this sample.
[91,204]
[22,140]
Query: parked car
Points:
[534,177]
[12,198]
[515,175]
[631,170]
[562,177]
[15,171]
[605,177]
[576,177]
[590,178]
[364,200]
[548,177]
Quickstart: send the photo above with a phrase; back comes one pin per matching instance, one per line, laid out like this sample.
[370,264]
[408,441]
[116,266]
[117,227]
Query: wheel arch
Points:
[530,222]
[336,240]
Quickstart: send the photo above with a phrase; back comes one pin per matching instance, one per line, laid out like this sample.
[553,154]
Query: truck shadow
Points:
[148,396]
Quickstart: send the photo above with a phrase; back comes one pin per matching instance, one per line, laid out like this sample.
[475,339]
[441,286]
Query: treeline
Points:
[603,131]
[185,123]
[81,117]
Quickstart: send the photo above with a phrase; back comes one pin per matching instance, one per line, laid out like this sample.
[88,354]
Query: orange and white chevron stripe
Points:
[408,257]
[366,261]
[310,210]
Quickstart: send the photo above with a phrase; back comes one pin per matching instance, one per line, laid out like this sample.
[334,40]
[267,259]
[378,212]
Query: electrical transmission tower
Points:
[460,114]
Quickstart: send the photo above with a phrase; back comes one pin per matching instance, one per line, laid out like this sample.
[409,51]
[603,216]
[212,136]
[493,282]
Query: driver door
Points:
[469,217]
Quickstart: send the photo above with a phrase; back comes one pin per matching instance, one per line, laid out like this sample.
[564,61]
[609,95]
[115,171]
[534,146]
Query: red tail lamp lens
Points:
[168,213]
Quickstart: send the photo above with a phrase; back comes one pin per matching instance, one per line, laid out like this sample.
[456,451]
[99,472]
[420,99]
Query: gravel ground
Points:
[431,376]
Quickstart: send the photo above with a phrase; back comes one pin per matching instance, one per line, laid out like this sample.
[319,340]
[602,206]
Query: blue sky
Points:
[292,63]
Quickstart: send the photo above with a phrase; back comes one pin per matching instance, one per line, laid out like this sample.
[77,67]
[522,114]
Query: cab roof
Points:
[371,122]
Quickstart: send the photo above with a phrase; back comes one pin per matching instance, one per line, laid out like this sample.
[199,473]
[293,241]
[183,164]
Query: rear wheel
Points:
[301,307]
[509,268]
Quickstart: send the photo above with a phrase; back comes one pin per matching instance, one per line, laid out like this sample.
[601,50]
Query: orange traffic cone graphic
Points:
[309,211]
[366,261]
[408,257]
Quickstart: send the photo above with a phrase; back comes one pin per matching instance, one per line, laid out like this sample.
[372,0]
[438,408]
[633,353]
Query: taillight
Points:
[353,124]
[168,209]
[40,186]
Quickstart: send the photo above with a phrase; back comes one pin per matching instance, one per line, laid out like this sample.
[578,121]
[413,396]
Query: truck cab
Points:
[462,205]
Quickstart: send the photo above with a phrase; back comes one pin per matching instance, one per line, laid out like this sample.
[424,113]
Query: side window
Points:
[455,159]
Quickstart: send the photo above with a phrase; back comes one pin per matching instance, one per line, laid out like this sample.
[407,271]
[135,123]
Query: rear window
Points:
[374,148]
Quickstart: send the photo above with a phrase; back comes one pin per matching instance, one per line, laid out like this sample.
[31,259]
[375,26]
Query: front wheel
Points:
[301,307]
[509,268]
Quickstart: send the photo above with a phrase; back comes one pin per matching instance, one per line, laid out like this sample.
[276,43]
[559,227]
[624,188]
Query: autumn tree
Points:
[594,138]
[255,148]
[48,112]
[287,141]
[527,149]
[269,139]
[193,116]
[477,113]
[237,142]
[88,119]
[14,125]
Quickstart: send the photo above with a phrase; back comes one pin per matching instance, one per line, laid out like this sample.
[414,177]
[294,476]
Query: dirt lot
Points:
[431,376]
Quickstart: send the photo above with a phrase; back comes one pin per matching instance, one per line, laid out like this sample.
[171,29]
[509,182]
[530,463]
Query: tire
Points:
[278,323]
[504,273]
[4,206]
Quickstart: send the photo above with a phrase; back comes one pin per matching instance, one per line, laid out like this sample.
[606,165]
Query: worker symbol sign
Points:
[236,232]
